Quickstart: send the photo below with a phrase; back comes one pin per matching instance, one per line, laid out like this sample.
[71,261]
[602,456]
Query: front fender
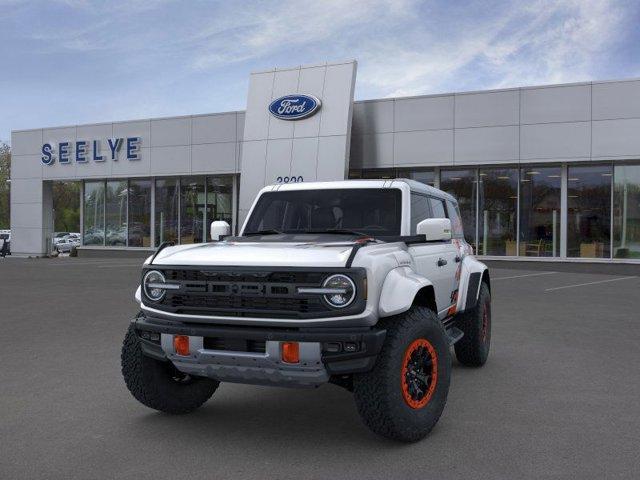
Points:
[399,289]
[471,274]
[138,295]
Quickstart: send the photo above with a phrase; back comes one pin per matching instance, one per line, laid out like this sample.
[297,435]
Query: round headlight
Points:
[155,294]
[345,290]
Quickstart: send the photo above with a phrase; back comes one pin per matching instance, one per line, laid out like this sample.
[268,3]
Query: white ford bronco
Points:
[365,284]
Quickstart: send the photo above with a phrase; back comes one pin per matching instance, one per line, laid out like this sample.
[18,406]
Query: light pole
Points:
[8,182]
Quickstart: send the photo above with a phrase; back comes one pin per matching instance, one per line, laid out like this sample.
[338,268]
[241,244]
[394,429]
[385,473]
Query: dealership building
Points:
[541,173]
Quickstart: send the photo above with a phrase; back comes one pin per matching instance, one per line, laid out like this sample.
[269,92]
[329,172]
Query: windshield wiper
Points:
[270,231]
[339,231]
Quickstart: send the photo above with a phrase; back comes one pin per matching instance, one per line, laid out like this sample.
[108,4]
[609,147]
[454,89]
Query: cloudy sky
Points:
[77,61]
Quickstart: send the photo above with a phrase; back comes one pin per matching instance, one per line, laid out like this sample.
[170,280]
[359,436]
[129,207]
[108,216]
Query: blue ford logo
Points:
[294,107]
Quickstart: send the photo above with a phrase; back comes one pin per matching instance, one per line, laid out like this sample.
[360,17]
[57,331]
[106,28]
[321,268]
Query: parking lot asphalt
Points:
[558,398]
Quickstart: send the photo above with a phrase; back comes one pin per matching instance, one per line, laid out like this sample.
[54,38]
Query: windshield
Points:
[370,211]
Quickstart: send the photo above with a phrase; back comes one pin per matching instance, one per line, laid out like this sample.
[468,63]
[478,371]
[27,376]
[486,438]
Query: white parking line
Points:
[522,276]
[589,283]
[132,265]
[64,263]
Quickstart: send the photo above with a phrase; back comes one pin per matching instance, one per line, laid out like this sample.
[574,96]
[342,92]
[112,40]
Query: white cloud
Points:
[144,58]
[546,42]
[257,31]
[404,47]
[409,47]
[568,49]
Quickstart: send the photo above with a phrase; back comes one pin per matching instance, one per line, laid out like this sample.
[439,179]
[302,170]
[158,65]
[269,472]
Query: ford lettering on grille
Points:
[238,292]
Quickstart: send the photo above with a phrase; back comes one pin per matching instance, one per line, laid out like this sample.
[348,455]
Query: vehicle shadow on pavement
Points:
[261,415]
[267,417]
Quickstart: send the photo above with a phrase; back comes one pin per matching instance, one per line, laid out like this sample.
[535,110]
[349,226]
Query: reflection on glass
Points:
[462,185]
[438,209]
[116,213]
[166,210]
[589,211]
[219,199]
[192,210]
[456,222]
[93,229]
[420,210]
[66,206]
[540,189]
[140,213]
[428,177]
[626,208]
[498,211]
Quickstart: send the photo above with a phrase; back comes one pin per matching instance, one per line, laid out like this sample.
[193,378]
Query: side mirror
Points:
[435,229]
[219,229]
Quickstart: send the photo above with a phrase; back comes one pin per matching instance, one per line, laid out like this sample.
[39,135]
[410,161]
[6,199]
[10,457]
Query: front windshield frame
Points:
[384,205]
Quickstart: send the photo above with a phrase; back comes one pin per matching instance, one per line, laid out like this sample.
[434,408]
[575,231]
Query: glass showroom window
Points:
[540,193]
[66,206]
[93,213]
[589,211]
[166,210]
[219,200]
[462,185]
[626,211]
[498,211]
[376,173]
[428,177]
[139,231]
[116,213]
[192,210]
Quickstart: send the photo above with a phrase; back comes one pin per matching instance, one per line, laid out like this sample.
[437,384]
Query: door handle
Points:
[441,262]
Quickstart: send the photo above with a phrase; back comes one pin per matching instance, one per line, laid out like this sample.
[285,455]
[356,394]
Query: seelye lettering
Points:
[82,150]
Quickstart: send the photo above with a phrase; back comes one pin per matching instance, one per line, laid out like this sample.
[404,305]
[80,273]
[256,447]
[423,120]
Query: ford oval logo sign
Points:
[294,107]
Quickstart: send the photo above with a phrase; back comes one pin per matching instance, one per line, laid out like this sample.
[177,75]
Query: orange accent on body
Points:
[181,345]
[454,303]
[291,352]
[406,395]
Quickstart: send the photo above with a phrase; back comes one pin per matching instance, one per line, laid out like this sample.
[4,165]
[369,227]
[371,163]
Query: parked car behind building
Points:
[66,244]
[5,242]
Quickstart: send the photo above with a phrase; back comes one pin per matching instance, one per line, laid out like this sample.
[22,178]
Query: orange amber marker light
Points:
[291,352]
[181,345]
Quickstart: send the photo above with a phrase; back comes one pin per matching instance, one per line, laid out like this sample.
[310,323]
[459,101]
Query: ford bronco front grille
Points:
[241,292]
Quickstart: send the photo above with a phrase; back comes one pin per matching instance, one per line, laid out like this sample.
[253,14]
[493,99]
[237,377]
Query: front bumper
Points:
[366,318]
[318,359]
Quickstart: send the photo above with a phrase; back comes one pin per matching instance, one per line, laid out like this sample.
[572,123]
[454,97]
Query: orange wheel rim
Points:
[419,375]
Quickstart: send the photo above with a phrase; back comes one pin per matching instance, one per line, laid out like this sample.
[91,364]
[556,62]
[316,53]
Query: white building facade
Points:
[550,172]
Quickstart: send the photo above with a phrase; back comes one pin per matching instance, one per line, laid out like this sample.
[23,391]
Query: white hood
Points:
[257,254]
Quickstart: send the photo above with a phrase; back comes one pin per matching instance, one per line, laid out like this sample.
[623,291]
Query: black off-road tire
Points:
[473,348]
[159,385]
[379,394]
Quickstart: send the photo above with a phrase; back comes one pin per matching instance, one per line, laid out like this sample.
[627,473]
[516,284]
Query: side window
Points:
[437,207]
[419,210]
[456,221]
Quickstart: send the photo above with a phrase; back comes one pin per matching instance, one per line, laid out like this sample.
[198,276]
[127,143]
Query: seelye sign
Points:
[294,107]
[82,151]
